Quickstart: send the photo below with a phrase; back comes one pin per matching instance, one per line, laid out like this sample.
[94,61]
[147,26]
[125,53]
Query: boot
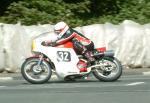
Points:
[89,56]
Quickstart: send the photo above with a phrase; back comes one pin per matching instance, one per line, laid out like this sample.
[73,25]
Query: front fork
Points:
[38,68]
[41,59]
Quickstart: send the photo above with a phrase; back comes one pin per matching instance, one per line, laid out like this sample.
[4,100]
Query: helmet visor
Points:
[57,32]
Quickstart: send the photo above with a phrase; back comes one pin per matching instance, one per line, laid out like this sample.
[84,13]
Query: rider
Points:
[81,44]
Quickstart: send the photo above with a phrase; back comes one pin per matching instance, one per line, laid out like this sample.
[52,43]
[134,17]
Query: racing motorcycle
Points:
[66,64]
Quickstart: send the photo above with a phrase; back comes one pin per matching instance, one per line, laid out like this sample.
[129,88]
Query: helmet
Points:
[60,28]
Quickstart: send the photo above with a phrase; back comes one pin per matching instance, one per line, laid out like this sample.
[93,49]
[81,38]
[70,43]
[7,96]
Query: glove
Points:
[52,44]
[48,44]
[44,43]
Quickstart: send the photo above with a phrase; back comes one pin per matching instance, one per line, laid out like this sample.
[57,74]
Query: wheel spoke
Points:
[35,73]
[109,69]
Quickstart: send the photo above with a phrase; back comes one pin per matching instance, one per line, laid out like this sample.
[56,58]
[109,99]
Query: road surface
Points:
[128,89]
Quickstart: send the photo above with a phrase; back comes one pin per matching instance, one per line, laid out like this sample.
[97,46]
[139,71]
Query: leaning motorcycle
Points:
[64,62]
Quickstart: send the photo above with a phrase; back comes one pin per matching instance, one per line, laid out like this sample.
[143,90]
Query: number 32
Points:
[63,56]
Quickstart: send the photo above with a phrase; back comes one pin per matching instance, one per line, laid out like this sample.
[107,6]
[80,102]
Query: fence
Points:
[130,41]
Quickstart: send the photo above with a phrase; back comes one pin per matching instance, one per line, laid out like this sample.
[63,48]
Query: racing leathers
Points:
[82,45]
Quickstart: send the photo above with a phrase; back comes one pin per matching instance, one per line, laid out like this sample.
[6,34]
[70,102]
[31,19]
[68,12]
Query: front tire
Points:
[109,69]
[34,73]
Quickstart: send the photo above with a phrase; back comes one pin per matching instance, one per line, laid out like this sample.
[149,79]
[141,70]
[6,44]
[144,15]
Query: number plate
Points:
[63,56]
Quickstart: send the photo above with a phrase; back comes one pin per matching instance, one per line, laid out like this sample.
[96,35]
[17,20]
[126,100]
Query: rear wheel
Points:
[34,73]
[108,69]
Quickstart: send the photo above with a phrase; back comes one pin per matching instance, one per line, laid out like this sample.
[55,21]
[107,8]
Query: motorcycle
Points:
[68,65]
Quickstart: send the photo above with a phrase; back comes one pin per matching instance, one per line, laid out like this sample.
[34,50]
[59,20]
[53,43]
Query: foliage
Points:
[74,12]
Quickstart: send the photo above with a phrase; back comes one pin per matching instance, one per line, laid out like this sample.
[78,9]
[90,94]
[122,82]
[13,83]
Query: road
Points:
[128,89]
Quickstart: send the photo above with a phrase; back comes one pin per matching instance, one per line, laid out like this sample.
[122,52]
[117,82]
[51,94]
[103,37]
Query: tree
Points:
[75,12]
[43,11]
[4,4]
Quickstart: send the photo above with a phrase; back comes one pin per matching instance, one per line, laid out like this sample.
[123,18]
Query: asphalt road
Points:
[128,89]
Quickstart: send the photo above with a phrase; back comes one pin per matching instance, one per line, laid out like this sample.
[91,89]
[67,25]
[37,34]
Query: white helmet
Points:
[60,28]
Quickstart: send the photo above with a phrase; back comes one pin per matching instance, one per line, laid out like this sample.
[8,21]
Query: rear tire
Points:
[108,72]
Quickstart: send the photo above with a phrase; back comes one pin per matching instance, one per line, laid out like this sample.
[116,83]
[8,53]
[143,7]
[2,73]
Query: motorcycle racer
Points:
[81,44]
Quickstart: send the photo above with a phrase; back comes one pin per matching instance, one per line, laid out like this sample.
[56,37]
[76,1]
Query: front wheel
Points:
[35,73]
[108,69]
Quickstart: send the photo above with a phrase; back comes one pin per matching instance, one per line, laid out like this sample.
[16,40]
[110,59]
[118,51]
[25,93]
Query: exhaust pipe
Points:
[109,53]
